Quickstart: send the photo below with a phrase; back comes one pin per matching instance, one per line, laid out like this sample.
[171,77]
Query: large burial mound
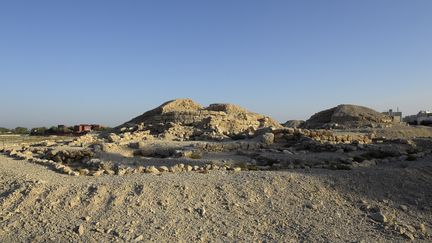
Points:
[185,119]
[348,116]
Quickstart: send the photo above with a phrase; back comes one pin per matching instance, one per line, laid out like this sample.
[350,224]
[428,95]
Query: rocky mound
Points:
[185,119]
[294,123]
[348,116]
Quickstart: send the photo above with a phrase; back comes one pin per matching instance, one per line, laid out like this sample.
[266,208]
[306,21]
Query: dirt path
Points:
[285,206]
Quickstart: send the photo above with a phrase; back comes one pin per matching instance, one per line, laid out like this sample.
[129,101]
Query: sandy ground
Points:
[40,205]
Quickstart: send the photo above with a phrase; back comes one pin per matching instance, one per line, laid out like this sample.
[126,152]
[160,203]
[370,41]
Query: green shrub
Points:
[21,130]
[4,130]
[38,131]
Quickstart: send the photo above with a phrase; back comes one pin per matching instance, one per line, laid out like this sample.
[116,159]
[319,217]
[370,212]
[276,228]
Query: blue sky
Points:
[67,62]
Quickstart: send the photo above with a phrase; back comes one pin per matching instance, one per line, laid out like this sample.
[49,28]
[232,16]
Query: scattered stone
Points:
[139,238]
[287,152]
[408,235]
[237,169]
[121,171]
[74,173]
[112,138]
[109,172]
[201,211]
[163,169]
[66,170]
[84,171]
[404,208]
[174,169]
[13,152]
[79,230]
[48,143]
[378,217]
[422,228]
[98,173]
[311,206]
[188,168]
[267,138]
[151,170]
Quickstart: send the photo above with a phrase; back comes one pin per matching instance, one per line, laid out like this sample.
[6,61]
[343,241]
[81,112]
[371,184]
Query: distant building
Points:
[395,115]
[422,118]
[82,128]
[85,128]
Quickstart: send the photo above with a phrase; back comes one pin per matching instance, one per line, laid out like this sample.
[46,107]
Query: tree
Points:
[4,130]
[52,130]
[38,131]
[103,129]
[21,130]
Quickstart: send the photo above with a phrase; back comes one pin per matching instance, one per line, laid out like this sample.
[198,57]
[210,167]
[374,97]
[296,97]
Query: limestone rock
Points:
[112,138]
[98,173]
[237,169]
[79,230]
[267,138]
[163,169]
[151,170]
[408,235]
[188,168]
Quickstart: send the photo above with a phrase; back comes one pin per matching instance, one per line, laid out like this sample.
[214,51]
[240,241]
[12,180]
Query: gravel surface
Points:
[378,204]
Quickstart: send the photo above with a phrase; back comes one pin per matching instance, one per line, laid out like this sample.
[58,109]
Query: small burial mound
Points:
[348,116]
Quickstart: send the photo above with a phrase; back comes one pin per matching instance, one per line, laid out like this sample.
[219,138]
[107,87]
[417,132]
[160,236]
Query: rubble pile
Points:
[185,119]
[285,135]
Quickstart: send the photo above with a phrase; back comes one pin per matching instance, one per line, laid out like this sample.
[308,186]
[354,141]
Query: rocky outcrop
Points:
[348,116]
[185,119]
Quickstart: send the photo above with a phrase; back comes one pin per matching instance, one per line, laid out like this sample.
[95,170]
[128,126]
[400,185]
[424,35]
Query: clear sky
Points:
[67,62]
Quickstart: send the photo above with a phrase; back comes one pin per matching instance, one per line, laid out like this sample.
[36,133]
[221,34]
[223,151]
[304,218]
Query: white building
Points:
[422,118]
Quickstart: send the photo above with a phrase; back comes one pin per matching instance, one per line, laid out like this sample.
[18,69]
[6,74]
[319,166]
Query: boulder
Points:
[151,170]
[267,138]
[163,169]
[112,138]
